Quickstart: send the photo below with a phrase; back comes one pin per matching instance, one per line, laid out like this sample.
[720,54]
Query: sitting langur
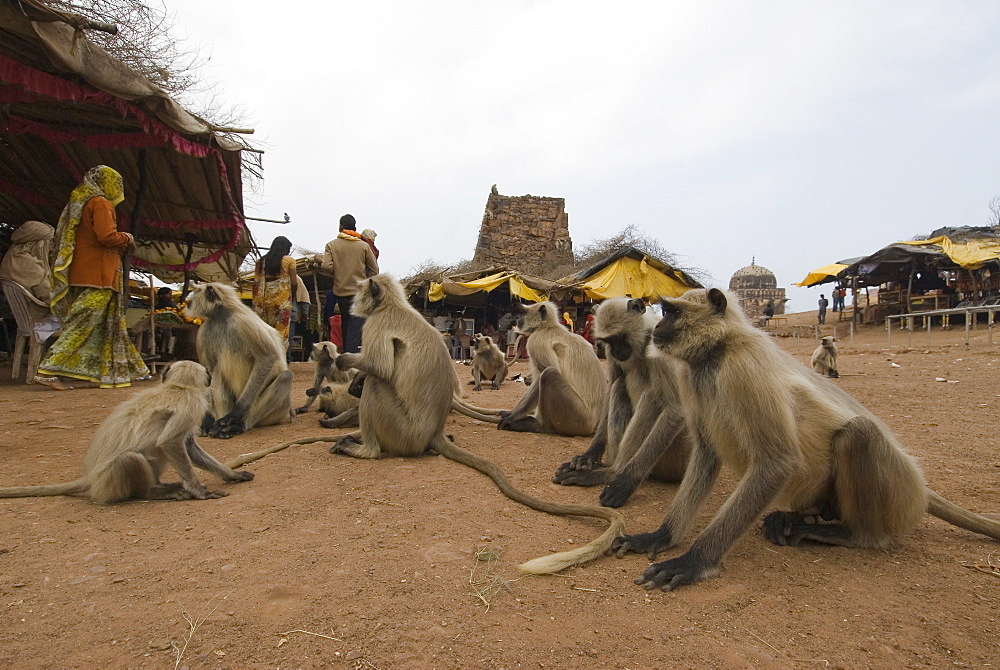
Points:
[324,358]
[792,436]
[409,385]
[643,432]
[824,359]
[568,393]
[338,405]
[487,361]
[251,383]
[140,438]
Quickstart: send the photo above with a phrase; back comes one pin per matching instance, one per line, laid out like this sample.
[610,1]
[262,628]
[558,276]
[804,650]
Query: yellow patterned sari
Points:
[94,345]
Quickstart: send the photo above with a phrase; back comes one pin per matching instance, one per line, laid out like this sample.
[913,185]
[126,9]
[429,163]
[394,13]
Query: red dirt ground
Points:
[327,561]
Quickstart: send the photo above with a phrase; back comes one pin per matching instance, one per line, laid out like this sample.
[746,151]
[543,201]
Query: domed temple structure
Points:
[755,286]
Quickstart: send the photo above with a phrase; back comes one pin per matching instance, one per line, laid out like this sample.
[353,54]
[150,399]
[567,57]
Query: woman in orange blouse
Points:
[86,289]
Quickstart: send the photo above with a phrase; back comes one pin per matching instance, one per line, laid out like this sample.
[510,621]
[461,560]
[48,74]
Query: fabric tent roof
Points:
[525,287]
[628,272]
[631,273]
[971,254]
[822,275]
[67,105]
[947,249]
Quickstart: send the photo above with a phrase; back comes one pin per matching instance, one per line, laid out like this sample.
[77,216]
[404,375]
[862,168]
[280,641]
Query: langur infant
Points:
[487,361]
[793,437]
[251,383]
[824,359]
[140,438]
[338,405]
[568,392]
[324,358]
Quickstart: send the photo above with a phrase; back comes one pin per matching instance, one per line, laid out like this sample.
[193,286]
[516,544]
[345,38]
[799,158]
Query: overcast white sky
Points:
[799,133]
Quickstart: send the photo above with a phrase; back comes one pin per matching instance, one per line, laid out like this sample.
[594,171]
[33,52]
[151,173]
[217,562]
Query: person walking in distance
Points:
[823,302]
[349,259]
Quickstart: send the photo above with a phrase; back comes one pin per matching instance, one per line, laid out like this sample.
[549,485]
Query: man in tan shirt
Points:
[349,260]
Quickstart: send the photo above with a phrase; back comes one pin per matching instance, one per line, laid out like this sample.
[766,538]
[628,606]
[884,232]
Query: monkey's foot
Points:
[340,420]
[349,445]
[647,543]
[177,491]
[528,424]
[618,491]
[569,477]
[301,410]
[676,572]
[239,476]
[788,529]
[227,427]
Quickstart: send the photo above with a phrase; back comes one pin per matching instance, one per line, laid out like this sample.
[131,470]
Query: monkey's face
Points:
[323,352]
[204,298]
[537,316]
[186,373]
[696,318]
[375,293]
[621,325]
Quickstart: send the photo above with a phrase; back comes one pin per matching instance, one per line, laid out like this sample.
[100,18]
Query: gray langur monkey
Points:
[487,361]
[143,435]
[569,392]
[409,386]
[792,436]
[339,406]
[324,358]
[251,383]
[824,358]
[644,431]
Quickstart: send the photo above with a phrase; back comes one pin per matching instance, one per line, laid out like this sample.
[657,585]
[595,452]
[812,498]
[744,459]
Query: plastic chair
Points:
[19,299]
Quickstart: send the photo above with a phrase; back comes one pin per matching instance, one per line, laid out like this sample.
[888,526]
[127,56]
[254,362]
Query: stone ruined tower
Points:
[755,286]
[528,233]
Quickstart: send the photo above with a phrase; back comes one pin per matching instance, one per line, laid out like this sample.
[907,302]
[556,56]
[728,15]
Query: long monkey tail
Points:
[480,413]
[67,489]
[553,562]
[948,511]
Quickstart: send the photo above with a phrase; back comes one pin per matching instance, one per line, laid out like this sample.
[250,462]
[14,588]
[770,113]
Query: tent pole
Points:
[140,195]
[190,239]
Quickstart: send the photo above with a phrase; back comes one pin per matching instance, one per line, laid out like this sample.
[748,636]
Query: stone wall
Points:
[528,233]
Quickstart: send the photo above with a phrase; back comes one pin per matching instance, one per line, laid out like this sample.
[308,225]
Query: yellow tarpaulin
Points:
[628,277]
[820,274]
[971,255]
[437,291]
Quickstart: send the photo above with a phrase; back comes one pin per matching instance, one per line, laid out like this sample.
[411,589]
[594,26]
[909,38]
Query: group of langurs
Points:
[679,397]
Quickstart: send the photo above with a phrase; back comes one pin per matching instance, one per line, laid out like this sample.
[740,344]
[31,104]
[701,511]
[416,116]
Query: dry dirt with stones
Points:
[326,561]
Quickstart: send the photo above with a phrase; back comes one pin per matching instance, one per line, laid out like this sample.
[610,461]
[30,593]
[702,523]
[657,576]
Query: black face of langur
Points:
[690,318]
[202,300]
[618,344]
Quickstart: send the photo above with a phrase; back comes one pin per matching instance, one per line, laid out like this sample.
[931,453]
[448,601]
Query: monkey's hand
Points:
[585,461]
[228,426]
[676,572]
[207,422]
[648,543]
[619,491]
